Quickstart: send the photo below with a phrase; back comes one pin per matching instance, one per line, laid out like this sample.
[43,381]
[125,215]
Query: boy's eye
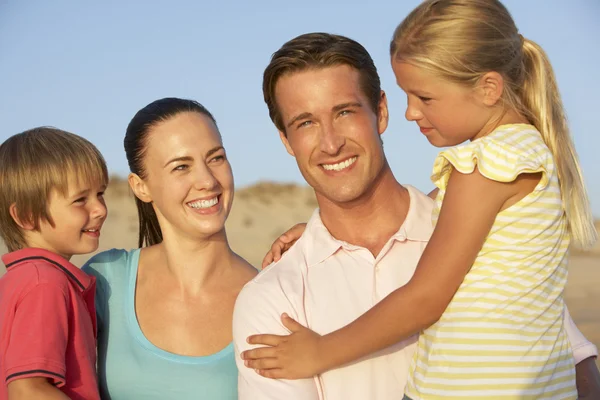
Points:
[80,200]
[100,194]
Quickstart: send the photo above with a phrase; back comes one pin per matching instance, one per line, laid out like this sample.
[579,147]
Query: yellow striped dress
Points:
[502,335]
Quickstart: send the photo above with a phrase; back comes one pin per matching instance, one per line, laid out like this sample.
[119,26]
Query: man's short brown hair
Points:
[316,51]
[32,164]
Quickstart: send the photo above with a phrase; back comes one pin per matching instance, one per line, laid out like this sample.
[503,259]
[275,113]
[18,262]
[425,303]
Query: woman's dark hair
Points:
[136,139]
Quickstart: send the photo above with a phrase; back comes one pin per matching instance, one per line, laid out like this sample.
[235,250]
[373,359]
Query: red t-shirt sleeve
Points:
[39,335]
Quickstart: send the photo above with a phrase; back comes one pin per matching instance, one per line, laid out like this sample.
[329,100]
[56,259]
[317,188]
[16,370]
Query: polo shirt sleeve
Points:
[257,310]
[39,335]
[581,347]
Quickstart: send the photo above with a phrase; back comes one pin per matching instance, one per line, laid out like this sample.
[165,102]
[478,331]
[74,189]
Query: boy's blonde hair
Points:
[32,164]
[461,40]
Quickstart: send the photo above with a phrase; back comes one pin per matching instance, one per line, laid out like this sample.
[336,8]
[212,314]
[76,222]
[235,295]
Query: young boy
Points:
[51,208]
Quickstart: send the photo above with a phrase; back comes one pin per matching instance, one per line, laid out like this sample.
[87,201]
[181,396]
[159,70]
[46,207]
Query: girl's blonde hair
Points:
[461,40]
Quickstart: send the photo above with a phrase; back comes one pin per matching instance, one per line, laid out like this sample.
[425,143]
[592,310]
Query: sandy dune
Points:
[263,211]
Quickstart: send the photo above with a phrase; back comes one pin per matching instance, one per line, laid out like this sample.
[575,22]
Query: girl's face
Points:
[447,113]
[188,178]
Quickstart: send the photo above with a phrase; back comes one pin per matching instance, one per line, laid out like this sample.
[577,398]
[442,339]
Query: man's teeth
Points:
[204,203]
[340,166]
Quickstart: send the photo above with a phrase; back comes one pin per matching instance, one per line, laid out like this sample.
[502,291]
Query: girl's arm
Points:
[469,209]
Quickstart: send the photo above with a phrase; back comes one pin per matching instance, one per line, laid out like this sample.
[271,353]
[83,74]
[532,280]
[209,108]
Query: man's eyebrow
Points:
[214,150]
[351,104]
[299,117]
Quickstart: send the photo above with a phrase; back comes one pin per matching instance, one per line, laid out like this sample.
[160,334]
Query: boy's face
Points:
[77,217]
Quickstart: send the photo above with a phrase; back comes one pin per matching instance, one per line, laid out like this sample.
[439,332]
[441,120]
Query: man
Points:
[364,241]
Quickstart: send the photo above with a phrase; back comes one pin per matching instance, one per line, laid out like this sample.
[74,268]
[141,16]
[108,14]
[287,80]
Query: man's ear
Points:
[27,225]
[286,143]
[139,188]
[383,116]
[491,87]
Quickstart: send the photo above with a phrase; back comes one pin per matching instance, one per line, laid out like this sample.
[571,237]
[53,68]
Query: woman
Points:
[165,310]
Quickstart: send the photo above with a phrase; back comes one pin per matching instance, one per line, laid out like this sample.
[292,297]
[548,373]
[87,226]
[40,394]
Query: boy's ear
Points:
[14,213]
[139,188]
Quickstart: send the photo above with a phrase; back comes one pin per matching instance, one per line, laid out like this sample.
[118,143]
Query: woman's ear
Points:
[139,188]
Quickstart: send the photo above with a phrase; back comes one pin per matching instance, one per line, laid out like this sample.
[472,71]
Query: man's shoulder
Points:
[282,279]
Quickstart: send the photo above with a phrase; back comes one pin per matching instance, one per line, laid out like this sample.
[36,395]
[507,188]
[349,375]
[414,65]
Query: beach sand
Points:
[263,211]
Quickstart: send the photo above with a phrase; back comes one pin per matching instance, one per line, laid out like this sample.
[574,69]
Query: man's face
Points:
[332,131]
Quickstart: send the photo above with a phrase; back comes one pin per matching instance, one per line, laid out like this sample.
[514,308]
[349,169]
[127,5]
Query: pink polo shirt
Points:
[48,323]
[325,284]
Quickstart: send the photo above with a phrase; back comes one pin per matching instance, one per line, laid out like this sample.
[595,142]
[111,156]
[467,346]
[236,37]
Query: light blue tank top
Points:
[132,368]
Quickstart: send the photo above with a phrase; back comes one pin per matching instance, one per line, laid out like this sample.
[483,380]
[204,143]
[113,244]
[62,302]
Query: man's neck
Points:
[372,219]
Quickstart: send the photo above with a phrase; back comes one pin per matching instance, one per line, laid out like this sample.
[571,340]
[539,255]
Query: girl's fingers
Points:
[268,340]
[290,323]
[272,373]
[260,353]
[262,363]
[267,260]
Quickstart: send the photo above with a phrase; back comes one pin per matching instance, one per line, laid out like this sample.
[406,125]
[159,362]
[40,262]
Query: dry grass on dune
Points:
[263,211]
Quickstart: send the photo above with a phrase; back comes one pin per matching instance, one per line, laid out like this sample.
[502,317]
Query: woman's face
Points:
[188,177]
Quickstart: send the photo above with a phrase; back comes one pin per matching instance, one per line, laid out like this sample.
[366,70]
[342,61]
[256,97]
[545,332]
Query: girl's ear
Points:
[492,87]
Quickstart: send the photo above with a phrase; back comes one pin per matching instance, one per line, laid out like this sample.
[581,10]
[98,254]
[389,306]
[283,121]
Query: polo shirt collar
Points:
[13,260]
[417,227]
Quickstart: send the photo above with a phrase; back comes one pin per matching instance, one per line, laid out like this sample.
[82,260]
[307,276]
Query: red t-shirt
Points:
[48,323]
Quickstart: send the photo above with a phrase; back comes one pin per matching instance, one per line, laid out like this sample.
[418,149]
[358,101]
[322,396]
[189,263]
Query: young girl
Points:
[487,293]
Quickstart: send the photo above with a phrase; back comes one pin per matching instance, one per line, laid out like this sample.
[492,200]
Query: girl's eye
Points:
[424,99]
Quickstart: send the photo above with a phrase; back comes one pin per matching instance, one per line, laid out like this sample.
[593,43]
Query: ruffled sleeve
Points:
[495,159]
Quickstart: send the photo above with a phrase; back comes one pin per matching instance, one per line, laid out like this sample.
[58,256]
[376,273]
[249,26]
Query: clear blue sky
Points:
[87,67]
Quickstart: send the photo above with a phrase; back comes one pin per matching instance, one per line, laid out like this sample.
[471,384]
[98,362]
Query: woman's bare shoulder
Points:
[244,270]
